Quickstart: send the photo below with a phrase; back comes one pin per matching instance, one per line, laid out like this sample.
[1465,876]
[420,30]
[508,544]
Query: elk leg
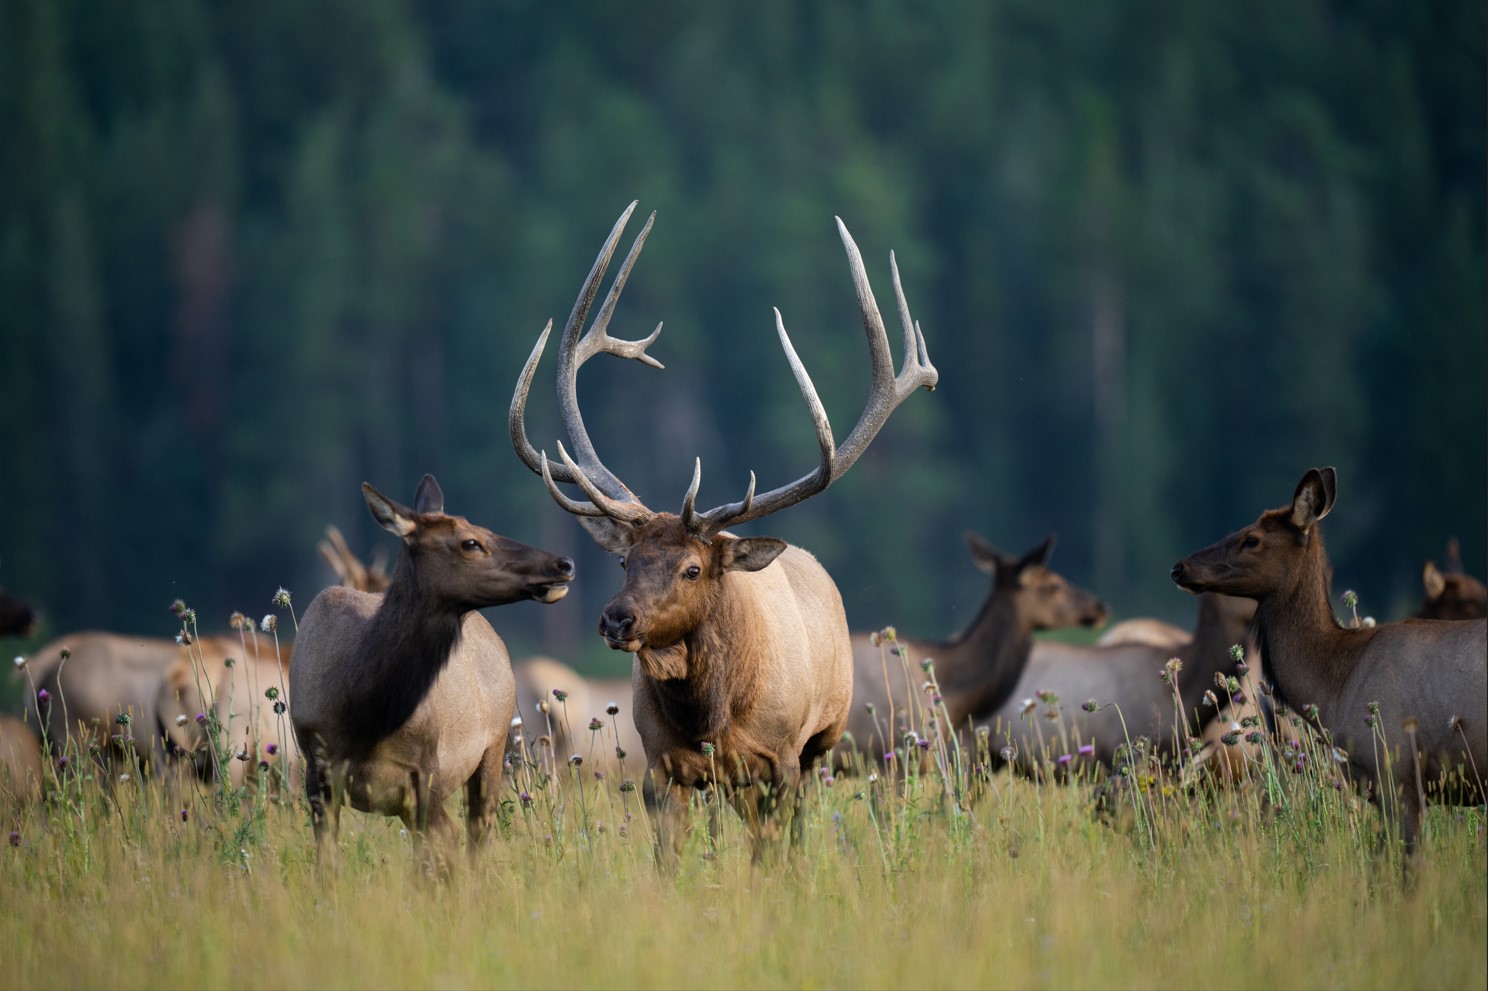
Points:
[481,793]
[670,820]
[320,795]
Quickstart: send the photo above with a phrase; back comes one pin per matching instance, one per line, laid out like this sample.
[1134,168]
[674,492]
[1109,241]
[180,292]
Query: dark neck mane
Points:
[405,646]
[720,681]
[1298,634]
[978,668]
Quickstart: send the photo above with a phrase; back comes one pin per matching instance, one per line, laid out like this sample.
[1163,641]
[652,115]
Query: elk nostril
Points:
[565,566]
[1177,571]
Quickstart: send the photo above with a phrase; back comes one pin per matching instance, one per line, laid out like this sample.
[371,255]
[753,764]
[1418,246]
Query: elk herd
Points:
[397,692]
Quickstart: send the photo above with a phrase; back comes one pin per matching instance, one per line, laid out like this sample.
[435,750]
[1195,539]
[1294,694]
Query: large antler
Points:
[888,391]
[610,497]
[573,351]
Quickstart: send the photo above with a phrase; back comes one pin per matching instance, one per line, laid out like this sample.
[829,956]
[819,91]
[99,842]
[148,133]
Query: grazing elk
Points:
[1143,629]
[977,669]
[20,763]
[104,676]
[1451,593]
[1421,685]
[742,674]
[243,698]
[1126,682]
[399,698]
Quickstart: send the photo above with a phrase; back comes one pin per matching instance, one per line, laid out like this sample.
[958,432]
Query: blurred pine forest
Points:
[1167,256]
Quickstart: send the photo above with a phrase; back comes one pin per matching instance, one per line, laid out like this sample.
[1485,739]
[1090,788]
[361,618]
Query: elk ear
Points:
[1452,560]
[391,516]
[749,553]
[611,535]
[430,497]
[983,554]
[1314,497]
[1434,580]
[1039,555]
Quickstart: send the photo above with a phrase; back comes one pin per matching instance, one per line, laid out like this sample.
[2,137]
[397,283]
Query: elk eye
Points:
[692,572]
[471,544]
[622,563]
[1251,540]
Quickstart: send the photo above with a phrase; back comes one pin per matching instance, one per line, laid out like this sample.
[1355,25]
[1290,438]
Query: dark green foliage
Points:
[1166,256]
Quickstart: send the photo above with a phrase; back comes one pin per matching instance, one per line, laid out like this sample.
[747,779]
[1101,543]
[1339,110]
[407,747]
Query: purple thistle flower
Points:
[889,755]
[42,697]
[263,765]
[595,725]
[271,749]
[526,798]
[1088,750]
[15,838]
[560,695]
[1065,759]
[201,719]
[184,815]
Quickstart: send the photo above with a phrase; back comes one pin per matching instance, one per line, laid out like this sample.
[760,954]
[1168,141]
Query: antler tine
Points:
[703,524]
[888,391]
[628,511]
[574,350]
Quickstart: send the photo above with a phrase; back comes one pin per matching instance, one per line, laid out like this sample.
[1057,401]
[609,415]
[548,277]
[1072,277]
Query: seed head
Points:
[229,662]
[19,662]
[1230,738]
[181,719]
[620,753]
[1211,699]
[613,708]
[124,779]
[1410,725]
[1310,711]
[269,623]
[927,664]
[1237,653]
[1007,754]
[627,786]
[237,621]
[1048,698]
[1090,705]
[560,695]
[1253,737]
[1350,599]
[574,760]
[516,722]
[870,707]
[1374,708]
[178,607]
[281,598]
[183,638]
[595,725]
[188,615]
[1174,665]
[1454,724]
[708,749]
[280,707]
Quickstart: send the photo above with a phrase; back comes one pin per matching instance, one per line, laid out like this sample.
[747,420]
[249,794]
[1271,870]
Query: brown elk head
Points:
[675,564]
[1043,597]
[1273,553]
[1450,592]
[455,562]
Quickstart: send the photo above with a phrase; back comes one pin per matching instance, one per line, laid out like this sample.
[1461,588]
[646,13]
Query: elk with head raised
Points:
[742,675]
[976,670]
[401,697]
[1420,685]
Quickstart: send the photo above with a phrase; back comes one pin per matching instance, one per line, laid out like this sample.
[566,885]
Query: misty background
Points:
[1167,256]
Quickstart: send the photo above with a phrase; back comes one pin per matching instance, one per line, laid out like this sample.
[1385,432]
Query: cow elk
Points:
[976,670]
[1451,593]
[742,676]
[1407,701]
[1126,682]
[104,693]
[399,698]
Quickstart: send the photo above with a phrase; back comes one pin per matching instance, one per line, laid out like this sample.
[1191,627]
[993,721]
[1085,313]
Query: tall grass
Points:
[932,868]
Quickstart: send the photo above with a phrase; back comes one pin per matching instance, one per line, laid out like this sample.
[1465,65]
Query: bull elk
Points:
[399,698]
[1420,683]
[742,675]
[976,670]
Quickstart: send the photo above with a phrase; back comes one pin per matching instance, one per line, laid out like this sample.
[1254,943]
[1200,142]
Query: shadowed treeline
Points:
[1165,257]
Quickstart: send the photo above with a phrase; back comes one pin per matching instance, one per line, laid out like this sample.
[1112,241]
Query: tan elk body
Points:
[1429,678]
[975,671]
[1125,680]
[742,675]
[20,763]
[401,698]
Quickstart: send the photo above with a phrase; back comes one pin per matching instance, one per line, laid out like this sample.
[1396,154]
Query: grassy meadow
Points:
[933,872]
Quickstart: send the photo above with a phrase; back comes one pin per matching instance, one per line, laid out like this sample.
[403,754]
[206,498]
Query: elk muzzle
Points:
[617,624]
